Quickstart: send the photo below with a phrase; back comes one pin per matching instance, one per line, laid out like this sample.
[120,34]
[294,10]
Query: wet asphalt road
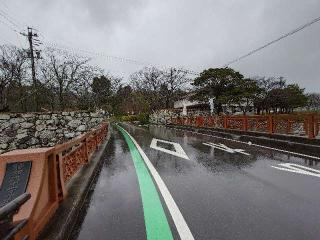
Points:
[221,193]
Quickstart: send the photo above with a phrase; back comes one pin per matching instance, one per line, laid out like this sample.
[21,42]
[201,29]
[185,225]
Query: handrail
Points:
[16,229]
[77,152]
[7,229]
[71,143]
[14,205]
[77,140]
[302,124]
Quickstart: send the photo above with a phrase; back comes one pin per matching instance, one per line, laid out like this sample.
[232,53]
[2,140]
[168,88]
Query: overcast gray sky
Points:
[191,34]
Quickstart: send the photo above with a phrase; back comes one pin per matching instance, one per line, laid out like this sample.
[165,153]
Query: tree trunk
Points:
[3,100]
[219,108]
[61,100]
[61,103]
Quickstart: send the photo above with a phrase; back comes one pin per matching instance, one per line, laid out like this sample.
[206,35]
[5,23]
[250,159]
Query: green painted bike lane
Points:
[157,226]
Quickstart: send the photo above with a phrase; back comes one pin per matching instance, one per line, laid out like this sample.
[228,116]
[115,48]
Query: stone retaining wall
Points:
[33,130]
[162,116]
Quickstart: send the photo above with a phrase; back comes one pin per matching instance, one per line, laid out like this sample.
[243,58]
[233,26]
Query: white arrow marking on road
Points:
[295,168]
[179,152]
[226,149]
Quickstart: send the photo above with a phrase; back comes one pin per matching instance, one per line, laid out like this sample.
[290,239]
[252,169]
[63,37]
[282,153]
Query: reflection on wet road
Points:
[223,189]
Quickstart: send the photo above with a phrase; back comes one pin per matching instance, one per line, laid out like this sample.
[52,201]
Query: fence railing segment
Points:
[307,125]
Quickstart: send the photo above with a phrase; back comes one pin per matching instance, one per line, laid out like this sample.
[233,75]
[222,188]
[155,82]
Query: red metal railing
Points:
[77,152]
[301,124]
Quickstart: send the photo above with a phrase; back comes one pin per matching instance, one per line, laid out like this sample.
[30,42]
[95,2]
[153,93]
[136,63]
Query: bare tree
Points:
[173,82]
[313,101]
[149,78]
[66,75]
[149,81]
[83,86]
[12,70]
[160,88]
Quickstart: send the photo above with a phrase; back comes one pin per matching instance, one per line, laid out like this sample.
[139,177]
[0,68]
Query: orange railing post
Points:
[270,124]
[225,122]
[311,126]
[210,122]
[245,123]
[317,125]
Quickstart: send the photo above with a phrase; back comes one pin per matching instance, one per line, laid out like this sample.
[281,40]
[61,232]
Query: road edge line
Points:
[178,219]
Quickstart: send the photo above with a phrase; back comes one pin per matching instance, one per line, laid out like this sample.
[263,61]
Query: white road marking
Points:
[257,145]
[296,168]
[178,219]
[226,149]
[179,152]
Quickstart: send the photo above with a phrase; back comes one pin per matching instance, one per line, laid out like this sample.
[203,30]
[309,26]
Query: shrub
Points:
[143,118]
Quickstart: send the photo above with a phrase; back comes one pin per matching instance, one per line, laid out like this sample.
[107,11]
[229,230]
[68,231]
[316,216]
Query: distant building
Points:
[187,105]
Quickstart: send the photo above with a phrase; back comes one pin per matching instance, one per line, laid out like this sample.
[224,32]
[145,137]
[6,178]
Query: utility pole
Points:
[31,54]
[30,36]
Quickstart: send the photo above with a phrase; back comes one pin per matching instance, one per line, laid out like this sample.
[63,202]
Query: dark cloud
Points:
[107,13]
[194,34]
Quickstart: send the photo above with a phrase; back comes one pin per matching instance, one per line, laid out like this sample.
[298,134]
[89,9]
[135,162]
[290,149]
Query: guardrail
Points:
[307,125]
[51,172]
[77,152]
[7,228]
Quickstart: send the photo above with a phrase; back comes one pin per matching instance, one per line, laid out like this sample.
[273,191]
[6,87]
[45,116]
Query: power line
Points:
[12,29]
[103,55]
[89,53]
[10,14]
[57,46]
[7,17]
[274,41]
[13,22]
[12,18]
[9,26]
